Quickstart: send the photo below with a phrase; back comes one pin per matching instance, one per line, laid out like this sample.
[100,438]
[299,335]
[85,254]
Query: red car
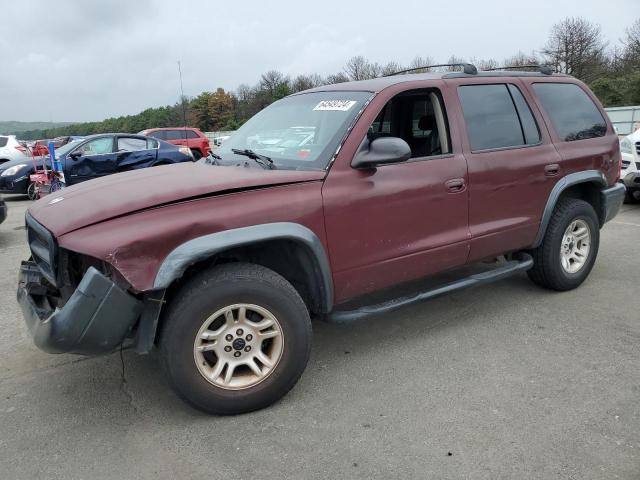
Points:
[187,136]
[322,198]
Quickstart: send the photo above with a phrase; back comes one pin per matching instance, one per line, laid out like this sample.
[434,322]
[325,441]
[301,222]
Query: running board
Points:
[506,270]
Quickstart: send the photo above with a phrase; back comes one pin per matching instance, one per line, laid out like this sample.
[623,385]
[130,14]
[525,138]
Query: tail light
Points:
[22,149]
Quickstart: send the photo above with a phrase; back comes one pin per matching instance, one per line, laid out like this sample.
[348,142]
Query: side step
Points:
[506,270]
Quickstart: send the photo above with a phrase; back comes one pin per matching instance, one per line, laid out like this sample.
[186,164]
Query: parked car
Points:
[96,156]
[222,265]
[11,149]
[630,174]
[190,137]
[3,210]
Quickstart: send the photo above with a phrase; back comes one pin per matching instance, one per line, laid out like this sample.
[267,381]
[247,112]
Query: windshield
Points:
[300,132]
[66,148]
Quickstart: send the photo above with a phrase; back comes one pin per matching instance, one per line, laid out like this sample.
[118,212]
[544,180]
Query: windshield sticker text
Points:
[335,105]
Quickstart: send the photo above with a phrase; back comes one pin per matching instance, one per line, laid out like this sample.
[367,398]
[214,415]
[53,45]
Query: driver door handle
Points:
[455,185]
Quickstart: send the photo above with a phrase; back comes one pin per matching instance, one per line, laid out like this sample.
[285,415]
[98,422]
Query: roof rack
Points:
[467,68]
[545,69]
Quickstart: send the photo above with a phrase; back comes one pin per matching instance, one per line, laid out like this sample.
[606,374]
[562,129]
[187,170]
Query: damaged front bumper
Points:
[95,320]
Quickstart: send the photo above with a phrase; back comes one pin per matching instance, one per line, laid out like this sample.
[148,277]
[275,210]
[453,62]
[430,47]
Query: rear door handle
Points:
[551,170]
[455,185]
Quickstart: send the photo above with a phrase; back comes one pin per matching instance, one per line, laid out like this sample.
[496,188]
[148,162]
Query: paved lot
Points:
[505,381]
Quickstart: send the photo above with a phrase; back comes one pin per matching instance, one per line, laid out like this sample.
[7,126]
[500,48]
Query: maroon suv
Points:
[193,138]
[321,198]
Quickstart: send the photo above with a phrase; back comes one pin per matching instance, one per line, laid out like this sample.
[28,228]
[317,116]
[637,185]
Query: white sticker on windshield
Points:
[336,105]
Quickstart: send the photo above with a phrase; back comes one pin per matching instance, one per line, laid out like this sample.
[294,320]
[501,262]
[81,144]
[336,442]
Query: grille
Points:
[43,248]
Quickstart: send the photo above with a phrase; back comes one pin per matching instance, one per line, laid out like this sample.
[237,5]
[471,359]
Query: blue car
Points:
[96,156]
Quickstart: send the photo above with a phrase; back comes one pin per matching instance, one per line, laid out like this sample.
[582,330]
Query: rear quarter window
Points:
[573,114]
[3,141]
[192,134]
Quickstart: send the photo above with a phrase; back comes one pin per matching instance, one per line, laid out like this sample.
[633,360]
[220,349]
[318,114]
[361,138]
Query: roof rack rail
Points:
[467,68]
[545,69]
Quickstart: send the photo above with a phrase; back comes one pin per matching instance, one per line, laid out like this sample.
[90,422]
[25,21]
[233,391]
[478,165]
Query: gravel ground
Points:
[503,381]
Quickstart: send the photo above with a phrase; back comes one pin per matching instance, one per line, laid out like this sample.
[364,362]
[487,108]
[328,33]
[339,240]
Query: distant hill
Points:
[18,127]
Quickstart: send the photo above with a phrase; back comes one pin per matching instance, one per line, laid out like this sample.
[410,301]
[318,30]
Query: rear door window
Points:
[99,146]
[529,126]
[492,119]
[174,134]
[192,134]
[573,114]
[159,134]
[3,141]
[129,144]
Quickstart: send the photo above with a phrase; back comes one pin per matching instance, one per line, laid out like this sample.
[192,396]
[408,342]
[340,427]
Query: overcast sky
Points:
[88,60]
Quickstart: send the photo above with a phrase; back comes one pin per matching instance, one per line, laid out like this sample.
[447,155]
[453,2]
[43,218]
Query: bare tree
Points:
[453,60]
[339,77]
[484,64]
[359,68]
[576,47]
[272,80]
[520,59]
[632,44]
[420,61]
[390,67]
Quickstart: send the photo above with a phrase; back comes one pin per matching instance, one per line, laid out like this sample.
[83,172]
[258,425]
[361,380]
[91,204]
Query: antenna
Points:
[184,113]
[467,68]
[545,69]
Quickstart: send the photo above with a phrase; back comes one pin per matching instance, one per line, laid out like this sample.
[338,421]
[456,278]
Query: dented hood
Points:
[123,193]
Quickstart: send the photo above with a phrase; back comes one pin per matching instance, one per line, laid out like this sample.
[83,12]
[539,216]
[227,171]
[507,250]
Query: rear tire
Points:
[196,154]
[220,315]
[569,248]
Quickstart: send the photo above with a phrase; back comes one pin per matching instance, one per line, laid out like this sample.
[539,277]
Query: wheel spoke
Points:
[210,335]
[565,262]
[266,361]
[206,347]
[228,318]
[254,367]
[242,314]
[229,373]
[264,323]
[581,233]
[217,369]
[269,334]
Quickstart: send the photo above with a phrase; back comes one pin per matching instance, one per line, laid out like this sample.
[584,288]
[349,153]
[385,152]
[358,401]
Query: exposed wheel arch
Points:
[585,185]
[290,249]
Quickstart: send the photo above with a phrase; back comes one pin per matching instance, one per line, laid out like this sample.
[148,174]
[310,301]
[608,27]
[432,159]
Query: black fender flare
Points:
[201,248]
[586,176]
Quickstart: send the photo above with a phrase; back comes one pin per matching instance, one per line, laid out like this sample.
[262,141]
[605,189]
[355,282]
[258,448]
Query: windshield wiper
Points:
[213,159]
[263,160]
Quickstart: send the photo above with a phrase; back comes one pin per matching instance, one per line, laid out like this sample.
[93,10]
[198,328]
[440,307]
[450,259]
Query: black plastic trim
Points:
[611,200]
[562,184]
[509,268]
[204,247]
[95,319]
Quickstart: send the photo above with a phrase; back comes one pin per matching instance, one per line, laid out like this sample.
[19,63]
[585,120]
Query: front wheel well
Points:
[290,259]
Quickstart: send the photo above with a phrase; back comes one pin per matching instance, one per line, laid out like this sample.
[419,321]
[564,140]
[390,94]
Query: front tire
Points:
[32,192]
[236,338]
[569,248]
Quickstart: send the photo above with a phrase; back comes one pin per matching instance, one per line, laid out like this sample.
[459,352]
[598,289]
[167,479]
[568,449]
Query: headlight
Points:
[13,170]
[626,146]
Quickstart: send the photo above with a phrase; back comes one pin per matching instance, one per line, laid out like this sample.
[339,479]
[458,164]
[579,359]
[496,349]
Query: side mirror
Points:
[75,154]
[381,151]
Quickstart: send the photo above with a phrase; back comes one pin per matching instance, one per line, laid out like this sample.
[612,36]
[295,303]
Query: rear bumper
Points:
[95,320]
[611,200]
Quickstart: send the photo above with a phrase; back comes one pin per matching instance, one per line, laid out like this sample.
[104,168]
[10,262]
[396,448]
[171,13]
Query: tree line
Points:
[574,46]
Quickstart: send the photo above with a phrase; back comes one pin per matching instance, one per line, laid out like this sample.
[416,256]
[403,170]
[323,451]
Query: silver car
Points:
[12,149]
